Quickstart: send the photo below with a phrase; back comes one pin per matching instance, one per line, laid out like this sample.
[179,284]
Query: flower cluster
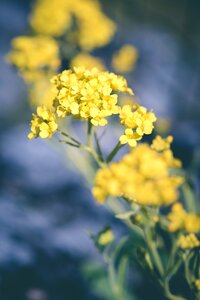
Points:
[43,124]
[160,144]
[124,59]
[138,122]
[188,241]
[179,219]
[87,61]
[143,176]
[88,94]
[34,56]
[55,17]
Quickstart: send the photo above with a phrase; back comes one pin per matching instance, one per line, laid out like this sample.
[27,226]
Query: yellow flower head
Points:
[143,176]
[179,219]
[87,61]
[55,17]
[43,124]
[106,237]
[124,59]
[135,117]
[160,144]
[188,241]
[88,94]
[34,56]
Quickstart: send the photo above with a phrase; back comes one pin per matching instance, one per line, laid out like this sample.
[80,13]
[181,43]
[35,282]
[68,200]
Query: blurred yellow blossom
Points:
[135,117]
[88,61]
[160,144]
[55,17]
[197,284]
[130,137]
[179,219]
[124,59]
[34,56]
[188,241]
[106,237]
[88,94]
[43,124]
[143,176]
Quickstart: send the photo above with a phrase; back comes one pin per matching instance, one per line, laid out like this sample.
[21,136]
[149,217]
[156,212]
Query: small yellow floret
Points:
[87,61]
[43,124]
[160,144]
[180,219]
[106,238]
[188,242]
[124,59]
[138,122]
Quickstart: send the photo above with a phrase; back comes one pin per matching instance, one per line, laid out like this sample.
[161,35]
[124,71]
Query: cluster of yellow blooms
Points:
[55,17]
[179,219]
[142,176]
[138,122]
[35,56]
[124,59]
[87,61]
[88,94]
[188,241]
[43,124]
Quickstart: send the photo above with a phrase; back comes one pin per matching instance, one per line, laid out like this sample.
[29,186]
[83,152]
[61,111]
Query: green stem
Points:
[117,208]
[168,293]
[114,152]
[69,136]
[153,251]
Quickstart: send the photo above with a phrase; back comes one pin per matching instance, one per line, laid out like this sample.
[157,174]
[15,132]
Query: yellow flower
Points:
[88,94]
[55,17]
[124,59]
[130,137]
[160,144]
[143,176]
[106,237]
[34,56]
[179,219]
[43,124]
[188,242]
[135,117]
[176,217]
[197,284]
[87,61]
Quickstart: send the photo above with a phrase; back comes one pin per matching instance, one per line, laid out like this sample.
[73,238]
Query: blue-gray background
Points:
[45,208]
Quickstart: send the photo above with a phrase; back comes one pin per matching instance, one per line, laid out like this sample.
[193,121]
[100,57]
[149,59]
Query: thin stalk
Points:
[70,144]
[112,154]
[153,251]
[69,136]
[168,293]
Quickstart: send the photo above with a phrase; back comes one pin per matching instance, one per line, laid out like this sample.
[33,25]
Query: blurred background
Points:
[45,207]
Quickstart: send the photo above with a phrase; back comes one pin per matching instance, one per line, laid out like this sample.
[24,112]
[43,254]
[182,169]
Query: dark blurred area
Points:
[45,207]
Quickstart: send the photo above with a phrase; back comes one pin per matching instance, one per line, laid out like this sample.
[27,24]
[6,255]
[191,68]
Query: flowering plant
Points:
[146,188]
